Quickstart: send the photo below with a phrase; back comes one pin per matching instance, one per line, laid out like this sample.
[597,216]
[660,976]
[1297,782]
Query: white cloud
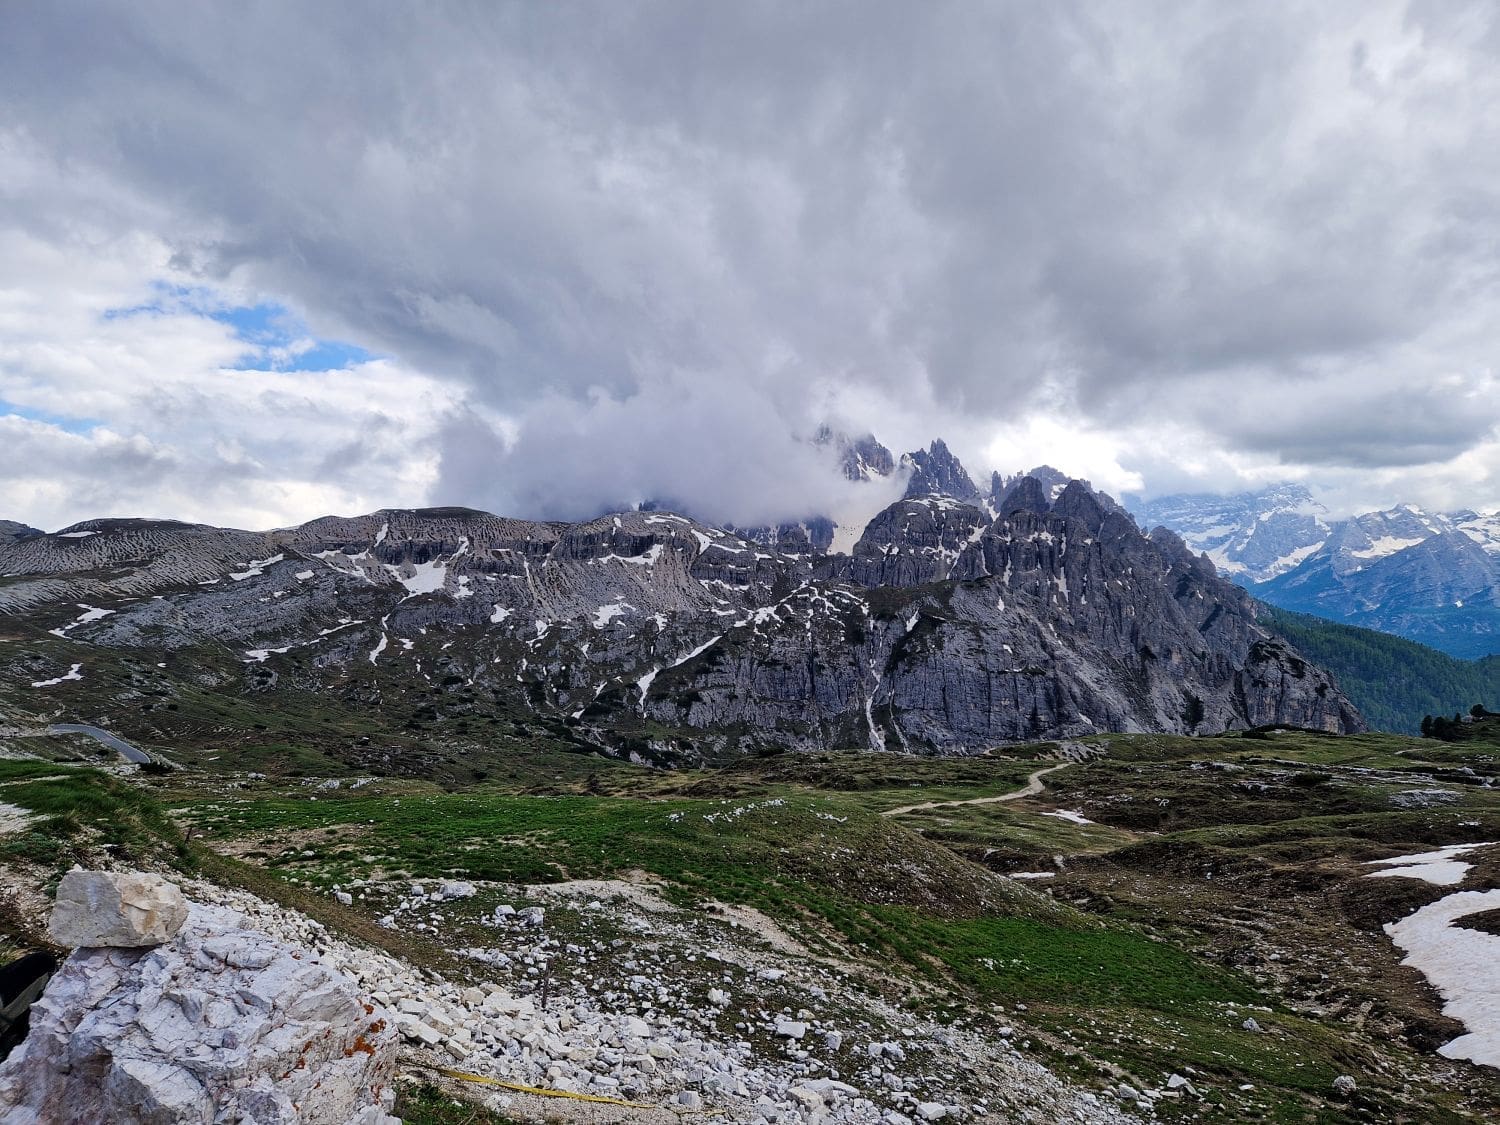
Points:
[147,414]
[628,251]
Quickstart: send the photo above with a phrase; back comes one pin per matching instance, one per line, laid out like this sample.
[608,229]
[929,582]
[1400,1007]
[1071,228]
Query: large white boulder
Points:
[222,1023]
[127,909]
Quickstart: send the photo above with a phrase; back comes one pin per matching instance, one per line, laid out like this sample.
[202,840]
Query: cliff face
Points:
[1045,623]
[946,629]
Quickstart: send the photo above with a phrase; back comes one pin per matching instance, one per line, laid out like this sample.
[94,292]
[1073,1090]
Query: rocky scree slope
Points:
[947,629]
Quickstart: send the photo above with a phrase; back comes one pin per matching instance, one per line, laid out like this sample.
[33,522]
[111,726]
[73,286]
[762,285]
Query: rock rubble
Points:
[644,1038]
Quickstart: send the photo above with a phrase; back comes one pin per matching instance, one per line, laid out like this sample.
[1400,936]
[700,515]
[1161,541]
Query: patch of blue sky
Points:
[277,338]
[71,425]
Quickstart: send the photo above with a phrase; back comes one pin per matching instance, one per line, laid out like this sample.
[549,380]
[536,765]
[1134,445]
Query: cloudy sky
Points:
[263,261]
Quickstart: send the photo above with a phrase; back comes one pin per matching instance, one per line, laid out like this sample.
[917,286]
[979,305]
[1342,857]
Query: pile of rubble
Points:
[232,1008]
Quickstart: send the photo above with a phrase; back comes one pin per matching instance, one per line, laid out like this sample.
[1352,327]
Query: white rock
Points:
[1344,1085]
[456,890]
[830,1086]
[128,909]
[791,1029]
[809,1100]
[1178,1082]
[833,1040]
[419,1032]
[932,1111]
[222,1023]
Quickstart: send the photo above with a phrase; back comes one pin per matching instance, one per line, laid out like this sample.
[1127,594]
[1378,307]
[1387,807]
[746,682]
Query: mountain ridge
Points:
[946,630]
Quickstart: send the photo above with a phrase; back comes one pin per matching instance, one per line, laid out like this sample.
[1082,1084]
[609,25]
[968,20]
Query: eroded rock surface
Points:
[129,909]
[221,1023]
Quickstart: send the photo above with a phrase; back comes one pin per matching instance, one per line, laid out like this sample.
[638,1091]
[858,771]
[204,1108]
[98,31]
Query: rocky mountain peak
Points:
[935,471]
[11,531]
[1053,481]
[1023,494]
[860,458]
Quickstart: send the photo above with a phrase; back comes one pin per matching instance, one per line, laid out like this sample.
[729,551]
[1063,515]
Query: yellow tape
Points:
[483,1081]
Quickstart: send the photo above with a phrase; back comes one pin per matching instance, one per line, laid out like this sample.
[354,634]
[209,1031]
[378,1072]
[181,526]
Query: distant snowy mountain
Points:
[1250,535]
[1427,576]
[1440,590]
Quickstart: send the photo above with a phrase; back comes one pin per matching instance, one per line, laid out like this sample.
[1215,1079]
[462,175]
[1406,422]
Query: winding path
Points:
[114,742]
[1032,787]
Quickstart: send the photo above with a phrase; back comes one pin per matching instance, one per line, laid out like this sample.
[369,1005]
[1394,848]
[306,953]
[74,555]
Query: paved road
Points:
[129,752]
[1032,788]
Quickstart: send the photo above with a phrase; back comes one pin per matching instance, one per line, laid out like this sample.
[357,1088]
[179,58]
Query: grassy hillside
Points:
[1393,681]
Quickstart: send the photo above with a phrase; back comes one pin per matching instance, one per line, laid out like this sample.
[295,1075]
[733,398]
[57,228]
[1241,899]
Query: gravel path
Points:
[1032,787]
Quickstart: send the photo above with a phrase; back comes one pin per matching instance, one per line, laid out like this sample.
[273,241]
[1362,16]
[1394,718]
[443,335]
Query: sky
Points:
[267,261]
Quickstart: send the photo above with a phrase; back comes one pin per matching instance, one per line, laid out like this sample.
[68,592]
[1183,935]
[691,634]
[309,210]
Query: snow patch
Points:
[255,567]
[1070,816]
[607,613]
[1462,964]
[74,673]
[426,578]
[1386,545]
[645,682]
[1442,868]
[90,613]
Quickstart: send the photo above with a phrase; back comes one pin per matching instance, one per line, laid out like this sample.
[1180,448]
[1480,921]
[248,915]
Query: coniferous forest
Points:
[1393,681]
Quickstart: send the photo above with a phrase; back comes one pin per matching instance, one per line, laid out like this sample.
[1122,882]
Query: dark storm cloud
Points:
[669,236]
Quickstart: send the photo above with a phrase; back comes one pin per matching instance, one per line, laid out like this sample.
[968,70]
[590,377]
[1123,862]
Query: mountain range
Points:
[1429,577]
[960,618]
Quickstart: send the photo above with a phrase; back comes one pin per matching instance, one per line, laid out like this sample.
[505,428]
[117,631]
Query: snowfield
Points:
[1462,964]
